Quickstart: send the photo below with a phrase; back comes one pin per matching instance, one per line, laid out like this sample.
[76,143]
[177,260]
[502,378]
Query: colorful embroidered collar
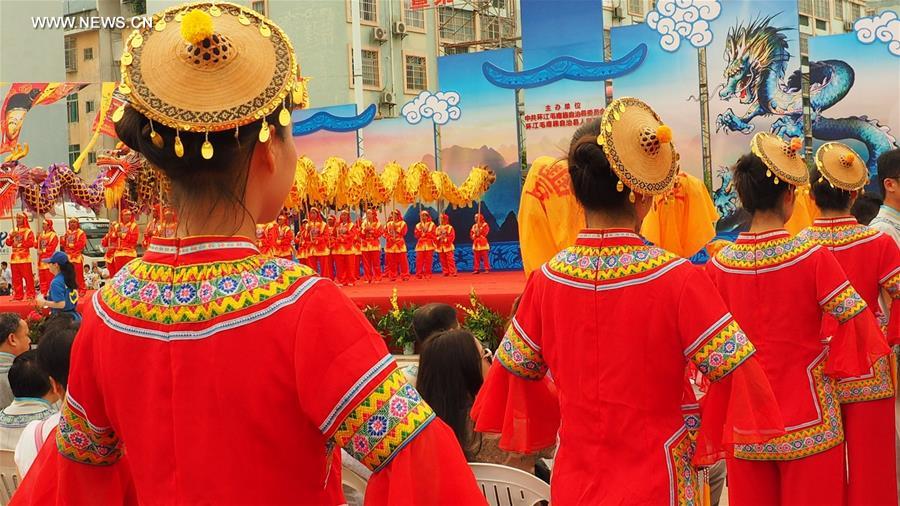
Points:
[762,252]
[839,233]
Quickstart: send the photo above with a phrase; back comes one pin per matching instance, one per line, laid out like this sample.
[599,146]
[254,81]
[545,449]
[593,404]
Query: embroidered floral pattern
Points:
[683,478]
[383,422]
[610,262]
[826,434]
[839,235]
[723,352]
[78,440]
[879,386]
[892,285]
[519,358]
[763,254]
[194,293]
[845,304]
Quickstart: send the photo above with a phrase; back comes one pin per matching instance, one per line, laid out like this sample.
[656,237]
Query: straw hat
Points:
[782,160]
[841,166]
[209,67]
[638,146]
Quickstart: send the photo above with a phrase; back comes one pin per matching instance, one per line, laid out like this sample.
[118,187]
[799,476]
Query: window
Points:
[821,25]
[72,107]
[88,53]
[92,157]
[71,63]
[821,9]
[368,10]
[261,6]
[371,68]
[414,18]
[498,4]
[838,9]
[855,12]
[456,50]
[416,75]
[74,151]
[490,28]
[636,7]
[457,24]
[805,7]
[804,20]
[89,106]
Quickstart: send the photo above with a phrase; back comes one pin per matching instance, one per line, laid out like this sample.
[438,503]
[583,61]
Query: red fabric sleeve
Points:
[29,239]
[856,342]
[740,406]
[890,282]
[517,400]
[363,403]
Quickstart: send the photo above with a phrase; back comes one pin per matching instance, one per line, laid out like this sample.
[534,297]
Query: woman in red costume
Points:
[181,360]
[319,249]
[344,252]
[73,244]
[283,238]
[125,241]
[780,287]
[481,248]
[635,315]
[395,258]
[446,235]
[426,237]
[154,227]
[372,231]
[48,244]
[21,240]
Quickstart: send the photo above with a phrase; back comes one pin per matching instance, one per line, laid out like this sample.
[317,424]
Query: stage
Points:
[496,290]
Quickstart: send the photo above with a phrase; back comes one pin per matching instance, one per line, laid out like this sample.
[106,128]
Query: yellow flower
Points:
[196,26]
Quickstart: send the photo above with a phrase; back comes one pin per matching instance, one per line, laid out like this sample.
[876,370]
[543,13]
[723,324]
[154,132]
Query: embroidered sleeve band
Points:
[845,304]
[723,351]
[82,442]
[384,422]
[519,357]
[892,285]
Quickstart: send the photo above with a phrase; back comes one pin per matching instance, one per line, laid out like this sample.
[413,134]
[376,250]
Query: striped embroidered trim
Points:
[877,385]
[683,481]
[844,304]
[77,439]
[354,390]
[825,434]
[384,422]
[608,263]
[763,256]
[520,358]
[206,246]
[840,236]
[723,352]
[892,284]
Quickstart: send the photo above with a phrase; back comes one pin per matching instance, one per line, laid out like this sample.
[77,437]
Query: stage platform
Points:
[496,290]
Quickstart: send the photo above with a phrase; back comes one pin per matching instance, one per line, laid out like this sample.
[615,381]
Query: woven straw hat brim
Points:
[168,86]
[771,150]
[829,160]
[620,131]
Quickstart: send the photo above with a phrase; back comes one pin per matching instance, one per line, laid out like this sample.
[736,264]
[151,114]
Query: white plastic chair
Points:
[508,486]
[355,483]
[9,476]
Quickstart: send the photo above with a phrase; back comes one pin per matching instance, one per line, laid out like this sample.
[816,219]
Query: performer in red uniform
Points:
[21,239]
[48,244]
[169,227]
[330,234]
[344,251]
[126,239]
[779,287]
[153,226]
[319,249]
[481,248]
[73,244]
[872,264]
[624,437]
[282,238]
[301,243]
[371,232]
[446,235]
[426,237]
[395,258]
[159,407]
[108,242]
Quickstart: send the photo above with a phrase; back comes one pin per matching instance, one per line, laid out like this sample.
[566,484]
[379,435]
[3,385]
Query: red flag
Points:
[106,111]
[19,100]
[418,4]
[55,91]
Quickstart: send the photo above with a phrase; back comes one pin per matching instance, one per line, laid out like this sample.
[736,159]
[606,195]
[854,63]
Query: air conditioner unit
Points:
[379,34]
[387,98]
[618,13]
[400,28]
[848,26]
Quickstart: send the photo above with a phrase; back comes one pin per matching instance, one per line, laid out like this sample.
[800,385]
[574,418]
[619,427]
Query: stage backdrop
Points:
[550,29]
[674,98]
[867,76]
[321,145]
[750,34]
[484,134]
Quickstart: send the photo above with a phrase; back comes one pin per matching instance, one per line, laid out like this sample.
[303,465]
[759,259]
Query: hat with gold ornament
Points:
[209,67]
[638,146]
[841,166]
[782,159]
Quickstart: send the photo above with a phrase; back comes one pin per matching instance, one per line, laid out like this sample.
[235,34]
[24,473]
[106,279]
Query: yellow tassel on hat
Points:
[796,144]
[196,26]
[664,134]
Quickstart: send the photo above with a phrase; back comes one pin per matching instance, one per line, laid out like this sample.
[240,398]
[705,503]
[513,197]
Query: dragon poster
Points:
[753,69]
[855,94]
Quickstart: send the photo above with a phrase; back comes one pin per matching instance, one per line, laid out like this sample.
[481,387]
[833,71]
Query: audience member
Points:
[865,209]
[427,321]
[5,273]
[91,277]
[452,368]
[53,354]
[33,399]
[15,341]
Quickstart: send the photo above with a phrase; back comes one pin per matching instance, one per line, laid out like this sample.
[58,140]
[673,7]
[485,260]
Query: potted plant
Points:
[484,323]
[396,326]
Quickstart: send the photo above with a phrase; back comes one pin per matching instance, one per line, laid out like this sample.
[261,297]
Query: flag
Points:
[55,91]
[108,104]
[19,100]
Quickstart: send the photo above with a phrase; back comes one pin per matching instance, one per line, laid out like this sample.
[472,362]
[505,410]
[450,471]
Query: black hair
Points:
[449,378]
[68,272]
[888,168]
[4,264]
[55,349]
[827,196]
[865,209]
[431,319]
[757,191]
[221,179]
[9,324]
[22,100]
[593,180]
[26,378]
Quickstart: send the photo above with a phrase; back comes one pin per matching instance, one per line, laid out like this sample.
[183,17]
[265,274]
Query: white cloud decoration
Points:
[675,20]
[442,107]
[884,27]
